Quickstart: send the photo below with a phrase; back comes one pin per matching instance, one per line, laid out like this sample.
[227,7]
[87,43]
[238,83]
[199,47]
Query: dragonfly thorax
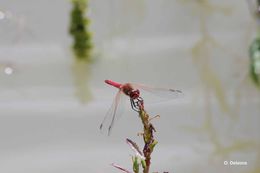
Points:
[130,91]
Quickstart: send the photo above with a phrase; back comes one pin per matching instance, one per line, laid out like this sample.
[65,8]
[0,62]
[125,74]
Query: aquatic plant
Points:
[254,49]
[82,48]
[254,52]
[79,29]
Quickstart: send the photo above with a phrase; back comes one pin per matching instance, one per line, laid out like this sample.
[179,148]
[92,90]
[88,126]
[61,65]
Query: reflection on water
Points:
[14,27]
[201,56]
[6,68]
[81,73]
[207,7]
[201,52]
[133,12]
[2,15]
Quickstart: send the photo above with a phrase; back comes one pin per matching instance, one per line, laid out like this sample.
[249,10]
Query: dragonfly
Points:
[132,91]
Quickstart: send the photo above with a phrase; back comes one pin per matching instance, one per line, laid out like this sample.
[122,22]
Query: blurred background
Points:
[51,105]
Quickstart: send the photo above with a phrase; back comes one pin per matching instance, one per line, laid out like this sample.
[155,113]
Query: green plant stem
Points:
[149,141]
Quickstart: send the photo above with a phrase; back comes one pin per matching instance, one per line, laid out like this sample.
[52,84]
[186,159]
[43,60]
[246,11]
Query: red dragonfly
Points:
[133,92]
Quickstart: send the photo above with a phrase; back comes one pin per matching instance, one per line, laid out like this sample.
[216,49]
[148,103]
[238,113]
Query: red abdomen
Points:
[114,84]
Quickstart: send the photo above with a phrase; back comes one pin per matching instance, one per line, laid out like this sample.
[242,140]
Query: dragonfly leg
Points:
[133,105]
[137,104]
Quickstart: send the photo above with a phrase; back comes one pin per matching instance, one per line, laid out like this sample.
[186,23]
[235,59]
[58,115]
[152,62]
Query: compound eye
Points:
[137,92]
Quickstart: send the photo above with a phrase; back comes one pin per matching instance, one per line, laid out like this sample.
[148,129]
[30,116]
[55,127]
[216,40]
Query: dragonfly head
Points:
[134,94]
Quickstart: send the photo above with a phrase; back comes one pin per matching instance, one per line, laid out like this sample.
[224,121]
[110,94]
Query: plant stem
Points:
[149,141]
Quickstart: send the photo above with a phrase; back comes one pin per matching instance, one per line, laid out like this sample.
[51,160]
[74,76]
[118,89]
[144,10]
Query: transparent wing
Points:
[160,92]
[114,113]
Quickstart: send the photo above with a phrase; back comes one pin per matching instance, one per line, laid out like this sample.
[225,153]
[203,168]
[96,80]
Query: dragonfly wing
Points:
[113,113]
[160,92]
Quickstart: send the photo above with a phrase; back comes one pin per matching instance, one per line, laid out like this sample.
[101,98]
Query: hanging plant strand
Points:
[79,26]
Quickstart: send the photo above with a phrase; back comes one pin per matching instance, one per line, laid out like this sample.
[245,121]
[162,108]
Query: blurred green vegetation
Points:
[79,29]
[254,52]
